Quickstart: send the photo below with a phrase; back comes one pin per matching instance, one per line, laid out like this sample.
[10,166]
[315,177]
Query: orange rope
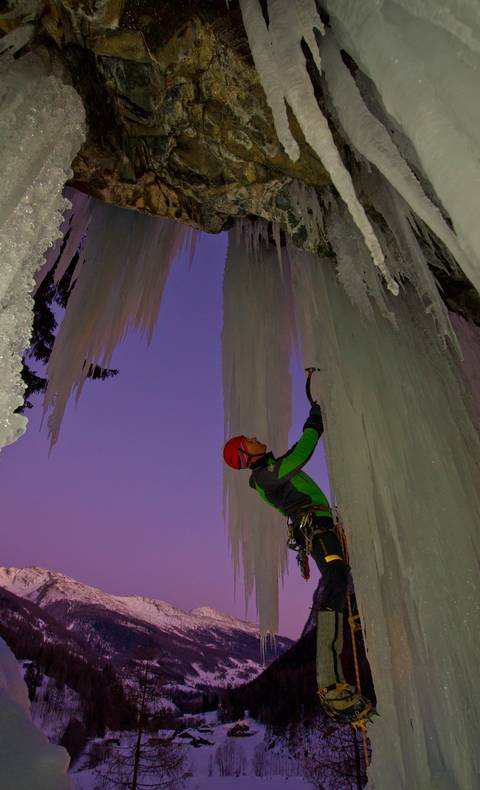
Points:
[353,628]
[355,657]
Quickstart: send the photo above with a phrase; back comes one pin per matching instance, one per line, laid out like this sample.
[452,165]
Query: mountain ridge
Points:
[40,584]
[202,649]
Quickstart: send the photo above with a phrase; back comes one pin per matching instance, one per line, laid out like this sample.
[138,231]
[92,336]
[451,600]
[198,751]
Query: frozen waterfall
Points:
[424,60]
[41,130]
[257,333]
[118,282]
[400,91]
[404,459]
[281,66]
[401,427]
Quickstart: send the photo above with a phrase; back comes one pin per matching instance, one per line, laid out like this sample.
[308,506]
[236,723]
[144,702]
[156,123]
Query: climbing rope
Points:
[309,532]
[355,625]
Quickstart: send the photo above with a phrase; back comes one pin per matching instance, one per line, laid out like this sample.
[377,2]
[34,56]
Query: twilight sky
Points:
[130,500]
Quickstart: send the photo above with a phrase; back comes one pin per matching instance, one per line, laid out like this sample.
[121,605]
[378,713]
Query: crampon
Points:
[345,705]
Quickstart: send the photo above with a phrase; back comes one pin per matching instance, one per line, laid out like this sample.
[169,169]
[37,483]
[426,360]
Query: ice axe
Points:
[309,372]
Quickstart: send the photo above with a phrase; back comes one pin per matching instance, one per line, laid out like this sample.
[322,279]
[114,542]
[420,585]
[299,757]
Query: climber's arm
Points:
[302,451]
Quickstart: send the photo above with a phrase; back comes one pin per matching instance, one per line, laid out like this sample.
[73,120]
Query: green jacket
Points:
[281,482]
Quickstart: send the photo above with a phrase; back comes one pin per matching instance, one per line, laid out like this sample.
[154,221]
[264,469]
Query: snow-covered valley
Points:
[96,665]
[213,759]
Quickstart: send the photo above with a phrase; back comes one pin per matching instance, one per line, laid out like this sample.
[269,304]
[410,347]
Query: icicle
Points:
[75,225]
[252,233]
[41,130]
[352,260]
[404,462]
[118,285]
[372,140]
[28,759]
[281,66]
[428,82]
[256,340]
[306,202]
[407,258]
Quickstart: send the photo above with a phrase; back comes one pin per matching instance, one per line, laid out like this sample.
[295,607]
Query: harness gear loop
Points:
[303,521]
[309,529]
[302,556]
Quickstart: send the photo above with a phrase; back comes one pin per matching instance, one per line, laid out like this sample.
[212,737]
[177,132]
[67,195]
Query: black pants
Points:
[326,544]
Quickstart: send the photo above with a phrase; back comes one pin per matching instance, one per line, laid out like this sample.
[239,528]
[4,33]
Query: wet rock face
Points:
[178,121]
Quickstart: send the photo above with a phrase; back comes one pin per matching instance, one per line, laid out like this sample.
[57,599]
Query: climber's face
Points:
[254,447]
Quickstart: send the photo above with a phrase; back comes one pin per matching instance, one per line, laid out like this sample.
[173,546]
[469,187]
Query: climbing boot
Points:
[343,703]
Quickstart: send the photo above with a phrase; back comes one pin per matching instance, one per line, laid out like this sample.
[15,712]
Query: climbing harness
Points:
[303,522]
[301,550]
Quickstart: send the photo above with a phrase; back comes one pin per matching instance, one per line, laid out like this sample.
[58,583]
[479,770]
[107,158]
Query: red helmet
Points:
[235,453]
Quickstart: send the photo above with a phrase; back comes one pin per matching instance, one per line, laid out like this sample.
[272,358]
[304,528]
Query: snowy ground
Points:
[204,762]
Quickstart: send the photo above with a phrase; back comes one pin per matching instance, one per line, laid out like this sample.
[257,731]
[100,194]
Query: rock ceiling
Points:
[178,124]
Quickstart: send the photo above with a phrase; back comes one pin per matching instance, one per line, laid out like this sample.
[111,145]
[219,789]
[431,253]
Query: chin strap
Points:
[252,455]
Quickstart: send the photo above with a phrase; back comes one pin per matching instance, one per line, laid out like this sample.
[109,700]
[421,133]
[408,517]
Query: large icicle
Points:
[118,285]
[256,338]
[428,81]
[282,68]
[404,459]
[371,139]
[74,227]
[27,760]
[41,130]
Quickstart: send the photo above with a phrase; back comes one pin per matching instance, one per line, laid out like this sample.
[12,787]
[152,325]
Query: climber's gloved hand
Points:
[314,419]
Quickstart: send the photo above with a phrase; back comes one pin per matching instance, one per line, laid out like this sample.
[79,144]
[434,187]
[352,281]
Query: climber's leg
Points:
[329,647]
[339,699]
[327,553]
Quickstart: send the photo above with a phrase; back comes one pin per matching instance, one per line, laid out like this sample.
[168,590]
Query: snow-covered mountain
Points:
[202,648]
[45,587]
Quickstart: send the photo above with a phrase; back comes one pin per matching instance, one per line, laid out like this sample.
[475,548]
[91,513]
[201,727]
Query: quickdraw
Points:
[302,556]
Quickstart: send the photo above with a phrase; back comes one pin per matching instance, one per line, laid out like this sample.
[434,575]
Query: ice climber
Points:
[283,485]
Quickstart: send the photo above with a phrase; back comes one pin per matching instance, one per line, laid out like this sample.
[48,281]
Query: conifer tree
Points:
[145,761]
[49,299]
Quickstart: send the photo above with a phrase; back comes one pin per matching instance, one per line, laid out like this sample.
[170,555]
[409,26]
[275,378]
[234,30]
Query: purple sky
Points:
[130,498]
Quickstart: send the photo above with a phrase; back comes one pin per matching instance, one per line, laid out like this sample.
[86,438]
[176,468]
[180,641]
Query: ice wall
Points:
[27,760]
[370,137]
[404,460]
[468,335]
[41,130]
[256,339]
[424,60]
